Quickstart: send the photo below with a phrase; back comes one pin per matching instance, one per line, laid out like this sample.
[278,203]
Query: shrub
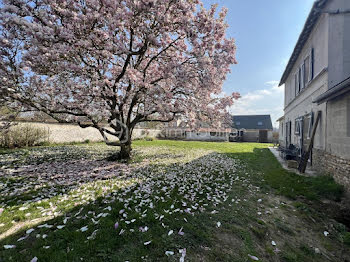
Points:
[23,135]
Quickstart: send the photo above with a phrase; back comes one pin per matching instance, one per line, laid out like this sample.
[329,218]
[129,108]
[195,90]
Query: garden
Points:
[173,201]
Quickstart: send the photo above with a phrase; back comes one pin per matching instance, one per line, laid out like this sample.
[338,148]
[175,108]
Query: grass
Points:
[290,184]
[169,187]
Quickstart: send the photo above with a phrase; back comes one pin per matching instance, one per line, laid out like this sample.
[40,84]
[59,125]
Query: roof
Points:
[252,122]
[311,21]
[280,119]
[337,90]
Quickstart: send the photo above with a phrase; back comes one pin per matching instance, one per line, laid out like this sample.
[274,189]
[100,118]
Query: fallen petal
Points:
[253,257]
[169,253]
[9,246]
[29,231]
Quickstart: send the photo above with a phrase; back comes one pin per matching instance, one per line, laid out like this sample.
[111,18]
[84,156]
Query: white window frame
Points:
[299,77]
[311,124]
[297,127]
[302,76]
[296,83]
[306,79]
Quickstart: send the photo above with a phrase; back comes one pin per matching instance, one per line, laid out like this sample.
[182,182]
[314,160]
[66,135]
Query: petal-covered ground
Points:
[175,201]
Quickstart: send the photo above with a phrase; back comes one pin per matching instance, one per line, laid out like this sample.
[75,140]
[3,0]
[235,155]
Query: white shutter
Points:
[302,76]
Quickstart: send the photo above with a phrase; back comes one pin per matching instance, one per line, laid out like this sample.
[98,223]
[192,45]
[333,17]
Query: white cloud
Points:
[272,83]
[269,100]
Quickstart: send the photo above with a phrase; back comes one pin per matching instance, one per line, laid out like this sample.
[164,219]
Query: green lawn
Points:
[176,200]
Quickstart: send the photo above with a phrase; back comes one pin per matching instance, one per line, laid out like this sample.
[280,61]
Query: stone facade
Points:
[320,62]
[328,164]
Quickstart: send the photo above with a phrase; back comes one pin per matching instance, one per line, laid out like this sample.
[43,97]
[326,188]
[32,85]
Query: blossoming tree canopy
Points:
[110,64]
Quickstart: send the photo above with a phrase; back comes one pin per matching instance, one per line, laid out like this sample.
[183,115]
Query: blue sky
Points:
[265,33]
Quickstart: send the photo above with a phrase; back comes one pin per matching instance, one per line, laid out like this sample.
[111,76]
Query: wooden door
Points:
[263,136]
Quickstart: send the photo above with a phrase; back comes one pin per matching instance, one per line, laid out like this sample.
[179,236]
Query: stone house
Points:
[317,79]
[180,130]
[253,128]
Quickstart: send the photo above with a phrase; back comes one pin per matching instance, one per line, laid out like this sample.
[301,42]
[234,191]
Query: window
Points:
[307,70]
[305,73]
[302,78]
[311,121]
[238,123]
[212,133]
[312,59]
[288,133]
[296,84]
[297,127]
[260,123]
[299,78]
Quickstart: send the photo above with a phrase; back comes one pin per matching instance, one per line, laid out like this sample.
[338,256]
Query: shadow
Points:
[142,192]
[16,158]
[100,190]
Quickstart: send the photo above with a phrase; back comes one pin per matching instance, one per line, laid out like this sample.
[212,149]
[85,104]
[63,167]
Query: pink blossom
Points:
[104,65]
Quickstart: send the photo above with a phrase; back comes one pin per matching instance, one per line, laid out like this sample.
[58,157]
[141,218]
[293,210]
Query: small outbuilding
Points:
[252,128]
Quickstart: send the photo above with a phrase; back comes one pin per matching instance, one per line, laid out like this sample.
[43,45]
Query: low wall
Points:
[63,133]
[332,165]
[207,136]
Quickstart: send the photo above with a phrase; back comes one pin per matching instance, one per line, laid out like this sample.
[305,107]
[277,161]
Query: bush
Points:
[22,136]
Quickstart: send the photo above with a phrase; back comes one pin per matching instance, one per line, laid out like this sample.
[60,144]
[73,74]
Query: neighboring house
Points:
[317,79]
[180,130]
[208,134]
[253,128]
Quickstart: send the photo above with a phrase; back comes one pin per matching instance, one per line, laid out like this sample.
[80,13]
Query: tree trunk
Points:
[125,151]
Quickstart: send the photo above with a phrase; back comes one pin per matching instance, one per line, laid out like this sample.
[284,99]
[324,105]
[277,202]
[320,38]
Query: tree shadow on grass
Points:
[70,243]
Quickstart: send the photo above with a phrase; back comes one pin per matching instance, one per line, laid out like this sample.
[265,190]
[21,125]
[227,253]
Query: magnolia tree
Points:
[111,64]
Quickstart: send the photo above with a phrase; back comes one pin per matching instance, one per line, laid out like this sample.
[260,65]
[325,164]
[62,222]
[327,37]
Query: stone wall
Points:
[65,133]
[328,164]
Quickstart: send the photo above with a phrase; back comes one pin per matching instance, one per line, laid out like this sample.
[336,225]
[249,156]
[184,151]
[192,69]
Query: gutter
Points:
[339,89]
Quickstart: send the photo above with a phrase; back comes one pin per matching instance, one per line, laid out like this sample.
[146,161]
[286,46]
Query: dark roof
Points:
[312,19]
[337,90]
[252,122]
